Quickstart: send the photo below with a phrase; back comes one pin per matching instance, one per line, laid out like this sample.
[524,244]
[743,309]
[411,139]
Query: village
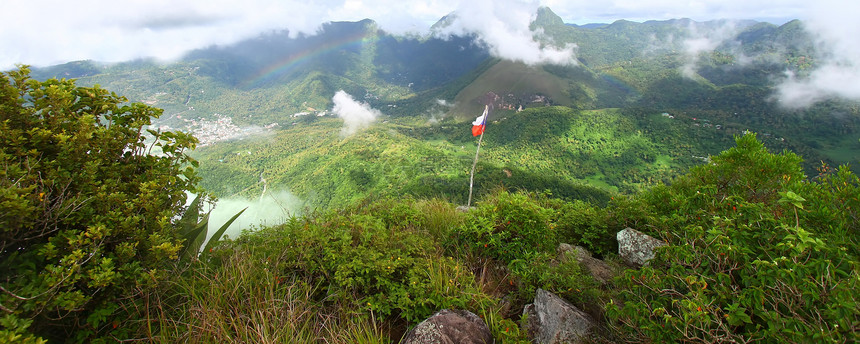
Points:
[220,129]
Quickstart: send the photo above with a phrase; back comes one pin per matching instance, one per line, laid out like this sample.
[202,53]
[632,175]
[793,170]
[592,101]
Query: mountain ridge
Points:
[627,73]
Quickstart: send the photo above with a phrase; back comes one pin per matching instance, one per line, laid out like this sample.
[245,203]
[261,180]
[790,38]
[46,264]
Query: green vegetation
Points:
[756,252]
[86,211]
[98,244]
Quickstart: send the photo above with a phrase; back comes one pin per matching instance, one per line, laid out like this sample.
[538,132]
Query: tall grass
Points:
[364,274]
[242,301]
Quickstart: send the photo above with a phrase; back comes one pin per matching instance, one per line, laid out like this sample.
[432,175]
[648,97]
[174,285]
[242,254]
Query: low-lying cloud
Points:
[356,115]
[102,31]
[837,74]
[704,39]
[272,208]
[437,111]
[504,28]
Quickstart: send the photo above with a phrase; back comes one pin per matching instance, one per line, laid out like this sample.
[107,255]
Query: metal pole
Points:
[475,163]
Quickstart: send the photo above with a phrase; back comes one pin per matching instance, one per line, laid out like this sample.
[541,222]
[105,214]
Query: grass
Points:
[598,180]
[846,151]
[240,303]
[364,274]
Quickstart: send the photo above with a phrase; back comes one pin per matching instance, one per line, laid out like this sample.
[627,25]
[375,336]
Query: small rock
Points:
[636,248]
[599,270]
[464,209]
[450,327]
[553,320]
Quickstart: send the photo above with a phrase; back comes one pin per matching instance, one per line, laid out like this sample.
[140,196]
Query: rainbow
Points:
[280,67]
[615,82]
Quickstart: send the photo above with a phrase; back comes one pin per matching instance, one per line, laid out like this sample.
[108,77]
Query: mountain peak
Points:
[546,17]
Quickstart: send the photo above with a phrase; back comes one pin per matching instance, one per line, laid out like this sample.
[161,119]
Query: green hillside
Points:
[101,244]
[596,125]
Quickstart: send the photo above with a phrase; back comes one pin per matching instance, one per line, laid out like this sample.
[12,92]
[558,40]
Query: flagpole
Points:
[475,163]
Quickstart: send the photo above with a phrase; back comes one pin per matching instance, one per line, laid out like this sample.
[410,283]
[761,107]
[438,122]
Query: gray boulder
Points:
[636,248]
[450,327]
[599,270]
[551,320]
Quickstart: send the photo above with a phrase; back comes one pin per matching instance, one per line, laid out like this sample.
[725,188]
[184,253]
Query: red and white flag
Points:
[480,123]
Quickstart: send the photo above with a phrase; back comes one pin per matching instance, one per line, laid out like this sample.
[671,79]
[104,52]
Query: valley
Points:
[595,126]
[310,187]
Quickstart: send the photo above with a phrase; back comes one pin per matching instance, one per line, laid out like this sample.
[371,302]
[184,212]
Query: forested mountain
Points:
[641,103]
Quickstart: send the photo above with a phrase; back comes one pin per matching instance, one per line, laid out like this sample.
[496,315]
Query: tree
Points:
[89,198]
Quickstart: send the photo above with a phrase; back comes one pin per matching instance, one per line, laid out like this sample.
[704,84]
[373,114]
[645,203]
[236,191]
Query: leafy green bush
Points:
[519,231]
[566,279]
[586,225]
[86,209]
[742,265]
[372,257]
[507,226]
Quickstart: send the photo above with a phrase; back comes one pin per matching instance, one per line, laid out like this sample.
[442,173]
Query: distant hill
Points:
[682,88]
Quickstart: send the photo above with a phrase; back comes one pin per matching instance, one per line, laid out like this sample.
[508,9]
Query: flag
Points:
[480,123]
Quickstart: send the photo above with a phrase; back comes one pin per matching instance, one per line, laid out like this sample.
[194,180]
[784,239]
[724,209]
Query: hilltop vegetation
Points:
[87,213]
[757,251]
[640,132]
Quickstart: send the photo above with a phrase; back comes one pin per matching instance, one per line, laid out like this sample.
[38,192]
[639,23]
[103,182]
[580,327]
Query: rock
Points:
[465,209]
[599,270]
[636,248]
[450,327]
[553,320]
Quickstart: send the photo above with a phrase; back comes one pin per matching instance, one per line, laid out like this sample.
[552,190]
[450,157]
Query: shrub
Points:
[372,261]
[86,211]
[584,224]
[507,226]
[741,265]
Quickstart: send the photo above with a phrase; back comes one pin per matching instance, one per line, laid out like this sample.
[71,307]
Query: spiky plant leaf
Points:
[217,236]
[188,222]
[194,239]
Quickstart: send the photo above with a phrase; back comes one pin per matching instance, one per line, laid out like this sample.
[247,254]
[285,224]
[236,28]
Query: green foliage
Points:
[85,208]
[522,232]
[585,225]
[507,227]
[742,264]
[91,212]
[194,231]
[372,258]
[240,300]
[565,278]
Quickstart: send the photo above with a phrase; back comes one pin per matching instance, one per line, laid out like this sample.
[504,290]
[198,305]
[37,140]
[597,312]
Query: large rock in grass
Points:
[636,248]
[599,270]
[552,320]
[450,327]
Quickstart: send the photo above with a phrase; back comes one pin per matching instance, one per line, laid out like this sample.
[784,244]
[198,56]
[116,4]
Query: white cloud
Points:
[273,207]
[703,40]
[503,26]
[836,28]
[42,32]
[356,115]
[585,11]
[437,111]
